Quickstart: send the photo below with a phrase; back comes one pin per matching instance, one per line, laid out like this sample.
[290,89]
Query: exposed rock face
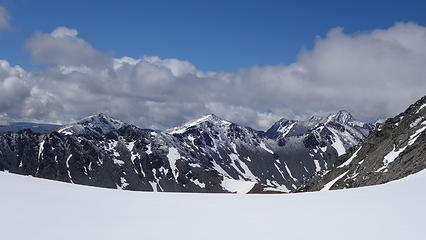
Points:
[205,155]
[395,149]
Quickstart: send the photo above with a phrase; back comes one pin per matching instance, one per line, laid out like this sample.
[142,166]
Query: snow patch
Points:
[262,145]
[350,159]
[123,184]
[394,153]
[338,144]
[237,186]
[416,122]
[154,186]
[194,165]
[317,165]
[331,183]
[118,162]
[219,169]
[289,173]
[148,151]
[197,182]
[65,130]
[173,156]
[421,107]
[286,130]
[67,163]
[40,150]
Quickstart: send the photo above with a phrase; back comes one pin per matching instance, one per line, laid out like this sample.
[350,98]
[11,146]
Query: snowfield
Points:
[32,208]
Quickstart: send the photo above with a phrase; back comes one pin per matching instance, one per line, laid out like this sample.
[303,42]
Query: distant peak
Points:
[100,123]
[97,116]
[316,119]
[210,116]
[283,120]
[206,118]
[343,112]
[341,116]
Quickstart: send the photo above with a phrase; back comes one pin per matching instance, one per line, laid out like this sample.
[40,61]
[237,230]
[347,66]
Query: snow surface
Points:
[35,208]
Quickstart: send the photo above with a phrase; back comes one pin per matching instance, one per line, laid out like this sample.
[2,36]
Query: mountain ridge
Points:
[394,149]
[208,154]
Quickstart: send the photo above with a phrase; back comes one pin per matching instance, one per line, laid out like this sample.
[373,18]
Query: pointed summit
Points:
[210,118]
[98,124]
[101,119]
[342,116]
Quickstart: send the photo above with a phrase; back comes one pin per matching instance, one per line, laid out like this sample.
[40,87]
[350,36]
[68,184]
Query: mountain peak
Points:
[102,117]
[341,116]
[206,118]
[100,124]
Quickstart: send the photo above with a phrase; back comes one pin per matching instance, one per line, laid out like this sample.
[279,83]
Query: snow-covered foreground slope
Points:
[32,208]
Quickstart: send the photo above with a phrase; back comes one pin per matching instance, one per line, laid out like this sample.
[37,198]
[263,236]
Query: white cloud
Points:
[15,86]
[63,47]
[4,18]
[63,32]
[372,74]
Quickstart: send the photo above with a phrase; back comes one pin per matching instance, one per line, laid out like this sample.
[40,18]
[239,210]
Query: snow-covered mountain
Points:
[395,149]
[339,131]
[96,125]
[208,154]
[319,139]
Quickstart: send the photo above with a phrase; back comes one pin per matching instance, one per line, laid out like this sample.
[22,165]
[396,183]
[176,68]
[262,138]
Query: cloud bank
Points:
[372,74]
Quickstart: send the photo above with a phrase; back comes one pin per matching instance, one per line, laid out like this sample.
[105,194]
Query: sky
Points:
[160,63]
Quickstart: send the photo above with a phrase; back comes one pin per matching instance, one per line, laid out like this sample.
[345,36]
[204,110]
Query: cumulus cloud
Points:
[4,18]
[15,85]
[372,74]
[63,47]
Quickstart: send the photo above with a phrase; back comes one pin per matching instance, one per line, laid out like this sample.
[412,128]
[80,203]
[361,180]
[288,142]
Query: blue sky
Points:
[213,35]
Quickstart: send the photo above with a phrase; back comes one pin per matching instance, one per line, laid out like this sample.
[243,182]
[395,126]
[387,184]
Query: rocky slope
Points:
[205,155]
[395,149]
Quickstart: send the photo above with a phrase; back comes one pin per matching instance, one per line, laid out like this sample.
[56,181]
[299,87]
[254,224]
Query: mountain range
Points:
[208,154]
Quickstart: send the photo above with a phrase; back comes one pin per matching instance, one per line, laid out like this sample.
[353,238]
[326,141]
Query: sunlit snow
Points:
[35,208]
